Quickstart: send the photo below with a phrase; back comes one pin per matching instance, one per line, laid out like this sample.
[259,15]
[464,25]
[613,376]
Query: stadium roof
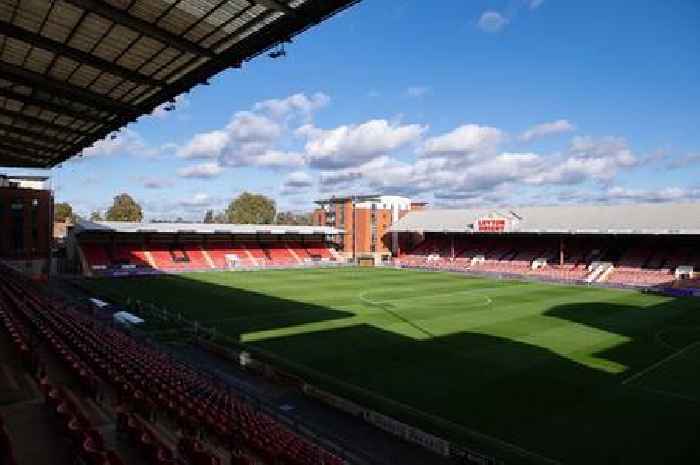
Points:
[197,228]
[657,218]
[74,71]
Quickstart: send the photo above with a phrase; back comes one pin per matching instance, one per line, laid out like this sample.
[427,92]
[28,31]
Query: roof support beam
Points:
[58,48]
[139,25]
[313,12]
[9,146]
[51,86]
[278,6]
[35,135]
[44,124]
[60,109]
[20,161]
[23,153]
[13,139]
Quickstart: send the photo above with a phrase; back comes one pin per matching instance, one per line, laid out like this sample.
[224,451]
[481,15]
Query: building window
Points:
[341,213]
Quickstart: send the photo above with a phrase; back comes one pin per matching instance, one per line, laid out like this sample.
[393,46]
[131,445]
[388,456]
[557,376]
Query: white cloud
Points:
[269,158]
[297,103]
[684,161]
[296,182]
[465,164]
[666,194]
[205,145]
[589,158]
[252,138]
[545,129]
[299,179]
[201,171]
[125,142]
[200,199]
[417,91]
[155,183]
[250,127]
[614,148]
[535,4]
[354,144]
[469,139]
[492,21]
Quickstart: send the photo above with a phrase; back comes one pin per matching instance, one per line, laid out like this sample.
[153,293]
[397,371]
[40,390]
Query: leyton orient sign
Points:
[491,225]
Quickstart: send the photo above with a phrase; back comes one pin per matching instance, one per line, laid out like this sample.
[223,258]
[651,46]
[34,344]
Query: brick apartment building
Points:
[26,219]
[365,221]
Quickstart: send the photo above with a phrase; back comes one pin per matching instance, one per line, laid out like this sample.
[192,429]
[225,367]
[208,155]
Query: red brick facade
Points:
[25,223]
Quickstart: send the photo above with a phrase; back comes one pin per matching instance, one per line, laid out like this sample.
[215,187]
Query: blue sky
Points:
[459,103]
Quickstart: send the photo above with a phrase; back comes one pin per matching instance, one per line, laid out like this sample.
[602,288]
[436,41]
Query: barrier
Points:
[334,401]
[409,433]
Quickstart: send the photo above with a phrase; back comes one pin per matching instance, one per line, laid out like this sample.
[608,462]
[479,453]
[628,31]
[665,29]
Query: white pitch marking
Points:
[661,362]
[668,394]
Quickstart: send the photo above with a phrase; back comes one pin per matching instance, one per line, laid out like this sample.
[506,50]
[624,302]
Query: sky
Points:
[457,103]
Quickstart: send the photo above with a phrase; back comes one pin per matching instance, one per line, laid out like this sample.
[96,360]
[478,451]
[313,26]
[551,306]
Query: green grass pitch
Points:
[581,375]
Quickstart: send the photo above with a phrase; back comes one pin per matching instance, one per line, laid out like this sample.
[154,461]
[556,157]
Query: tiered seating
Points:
[96,255]
[642,264]
[217,251]
[7,453]
[197,260]
[561,273]
[17,332]
[129,254]
[87,443]
[195,452]
[299,249]
[163,258]
[318,249]
[190,256]
[148,379]
[258,253]
[141,435]
[640,277]
[279,255]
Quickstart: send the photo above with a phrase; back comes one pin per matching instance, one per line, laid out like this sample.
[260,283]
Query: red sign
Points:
[492,225]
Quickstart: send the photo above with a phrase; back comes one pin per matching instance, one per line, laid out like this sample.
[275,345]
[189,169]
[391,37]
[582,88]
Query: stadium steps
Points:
[207,258]
[249,254]
[293,253]
[149,258]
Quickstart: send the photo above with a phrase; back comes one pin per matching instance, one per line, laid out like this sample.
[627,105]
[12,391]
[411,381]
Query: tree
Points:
[95,216]
[63,211]
[250,208]
[294,219]
[124,208]
[208,217]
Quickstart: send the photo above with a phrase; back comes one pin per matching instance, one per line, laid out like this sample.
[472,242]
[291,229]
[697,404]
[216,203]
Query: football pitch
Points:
[577,374]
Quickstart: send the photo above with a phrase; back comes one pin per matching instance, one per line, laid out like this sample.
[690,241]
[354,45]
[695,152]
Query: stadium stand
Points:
[634,245]
[7,453]
[146,380]
[132,248]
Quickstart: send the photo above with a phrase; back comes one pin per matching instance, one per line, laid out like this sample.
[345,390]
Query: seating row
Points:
[202,256]
[149,380]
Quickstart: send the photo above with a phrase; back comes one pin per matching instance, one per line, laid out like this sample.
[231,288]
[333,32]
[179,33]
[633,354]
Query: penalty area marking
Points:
[674,395]
[660,340]
[656,365]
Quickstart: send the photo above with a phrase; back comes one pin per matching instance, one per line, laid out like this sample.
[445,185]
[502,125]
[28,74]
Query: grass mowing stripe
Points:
[551,357]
